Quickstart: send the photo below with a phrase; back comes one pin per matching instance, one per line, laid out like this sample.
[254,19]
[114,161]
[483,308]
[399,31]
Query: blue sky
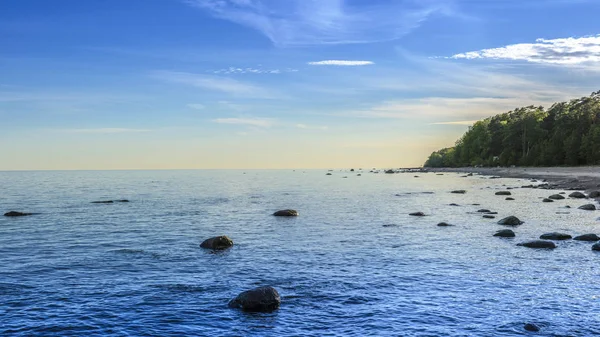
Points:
[276,83]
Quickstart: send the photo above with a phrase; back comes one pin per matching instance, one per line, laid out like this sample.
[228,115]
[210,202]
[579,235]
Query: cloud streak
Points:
[304,22]
[106,130]
[234,70]
[256,122]
[340,63]
[563,51]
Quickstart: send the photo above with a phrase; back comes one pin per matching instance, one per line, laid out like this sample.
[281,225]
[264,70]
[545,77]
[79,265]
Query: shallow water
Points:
[352,264]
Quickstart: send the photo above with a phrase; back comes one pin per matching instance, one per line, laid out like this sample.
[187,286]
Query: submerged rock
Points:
[510,221]
[286,212]
[531,327]
[547,200]
[541,244]
[262,299]
[509,199]
[555,236]
[594,194]
[217,243]
[503,193]
[389,171]
[328,174]
[587,237]
[577,195]
[103,202]
[487,216]
[444,224]
[588,207]
[15,213]
[455,205]
[459,192]
[483,211]
[596,247]
[556,197]
[417,214]
[505,233]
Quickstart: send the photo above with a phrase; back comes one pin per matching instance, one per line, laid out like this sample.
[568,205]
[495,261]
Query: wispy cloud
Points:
[312,127]
[216,83]
[563,51]
[340,63]
[303,22]
[256,122]
[106,130]
[234,70]
[196,106]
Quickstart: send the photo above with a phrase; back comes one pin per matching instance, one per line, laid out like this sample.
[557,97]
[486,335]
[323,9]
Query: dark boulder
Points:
[577,195]
[542,244]
[547,200]
[594,194]
[286,212]
[455,205]
[263,299]
[487,216]
[503,193]
[531,327]
[390,171]
[505,233]
[588,207]
[217,243]
[417,214]
[555,236]
[587,237]
[509,199]
[483,211]
[122,200]
[492,213]
[556,197]
[459,192]
[15,213]
[510,221]
[596,247]
[444,224]
[103,202]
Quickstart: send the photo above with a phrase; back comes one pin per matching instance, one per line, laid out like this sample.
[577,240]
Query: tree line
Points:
[566,134]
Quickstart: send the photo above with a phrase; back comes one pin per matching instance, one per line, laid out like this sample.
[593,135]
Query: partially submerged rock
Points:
[587,237]
[15,213]
[596,247]
[417,214]
[444,224]
[531,327]
[509,199]
[505,233]
[459,192]
[455,205]
[547,200]
[588,207]
[217,243]
[262,299]
[540,244]
[503,193]
[103,202]
[556,197]
[555,236]
[510,221]
[487,216]
[483,211]
[577,195]
[286,212]
[594,194]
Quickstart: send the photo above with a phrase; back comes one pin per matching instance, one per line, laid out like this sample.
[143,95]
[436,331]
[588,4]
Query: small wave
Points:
[129,251]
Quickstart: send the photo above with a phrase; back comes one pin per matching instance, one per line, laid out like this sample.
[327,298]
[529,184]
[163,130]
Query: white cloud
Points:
[256,122]
[304,22]
[340,63]
[312,127]
[234,70]
[106,130]
[196,106]
[564,51]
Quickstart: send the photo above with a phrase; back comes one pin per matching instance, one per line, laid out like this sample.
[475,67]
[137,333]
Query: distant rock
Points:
[444,224]
[459,192]
[596,246]
[286,212]
[505,233]
[15,213]
[577,195]
[476,204]
[455,205]
[417,214]
[510,221]
[531,327]
[122,200]
[359,175]
[547,200]
[390,171]
[556,197]
[587,237]
[351,170]
[555,236]
[588,207]
[491,213]
[470,175]
[263,299]
[541,244]
[510,199]
[487,216]
[594,194]
[389,225]
[217,243]
[417,177]
[503,193]
[483,211]
[329,174]
[103,202]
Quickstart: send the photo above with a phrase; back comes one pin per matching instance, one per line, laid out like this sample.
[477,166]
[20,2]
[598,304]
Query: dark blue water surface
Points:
[352,264]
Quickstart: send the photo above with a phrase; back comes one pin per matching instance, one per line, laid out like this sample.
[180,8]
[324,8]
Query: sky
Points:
[276,84]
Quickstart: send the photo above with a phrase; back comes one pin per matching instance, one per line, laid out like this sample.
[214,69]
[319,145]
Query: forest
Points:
[566,134]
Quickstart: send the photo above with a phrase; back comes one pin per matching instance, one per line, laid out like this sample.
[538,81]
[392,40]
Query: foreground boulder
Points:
[417,214]
[217,243]
[555,236]
[540,244]
[505,233]
[577,195]
[286,212]
[587,237]
[263,299]
[510,221]
[556,197]
[596,247]
[15,213]
[588,207]
[503,193]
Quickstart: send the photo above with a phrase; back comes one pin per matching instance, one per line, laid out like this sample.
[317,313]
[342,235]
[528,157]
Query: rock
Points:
[389,171]
[286,212]
[567,206]
[509,199]
[459,192]
[417,214]
[556,197]
[594,194]
[491,213]
[577,195]
[390,225]
[444,224]
[489,216]
[503,193]
[217,243]
[417,177]
[15,213]
[103,202]
[351,170]
[454,205]
[542,244]
[547,200]
[531,327]
[588,207]
[510,221]
[596,246]
[555,236]
[587,237]
[263,299]
[329,174]
[476,204]
[483,211]
[470,175]
[359,175]
[122,200]
[505,233]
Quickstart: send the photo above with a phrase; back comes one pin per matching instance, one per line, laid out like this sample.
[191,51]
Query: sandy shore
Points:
[570,178]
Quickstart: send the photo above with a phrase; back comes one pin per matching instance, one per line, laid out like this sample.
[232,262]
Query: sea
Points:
[353,263]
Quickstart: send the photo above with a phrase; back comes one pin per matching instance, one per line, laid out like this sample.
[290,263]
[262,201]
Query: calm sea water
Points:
[352,264]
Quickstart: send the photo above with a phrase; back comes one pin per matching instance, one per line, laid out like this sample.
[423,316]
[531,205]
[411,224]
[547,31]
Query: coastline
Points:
[585,178]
